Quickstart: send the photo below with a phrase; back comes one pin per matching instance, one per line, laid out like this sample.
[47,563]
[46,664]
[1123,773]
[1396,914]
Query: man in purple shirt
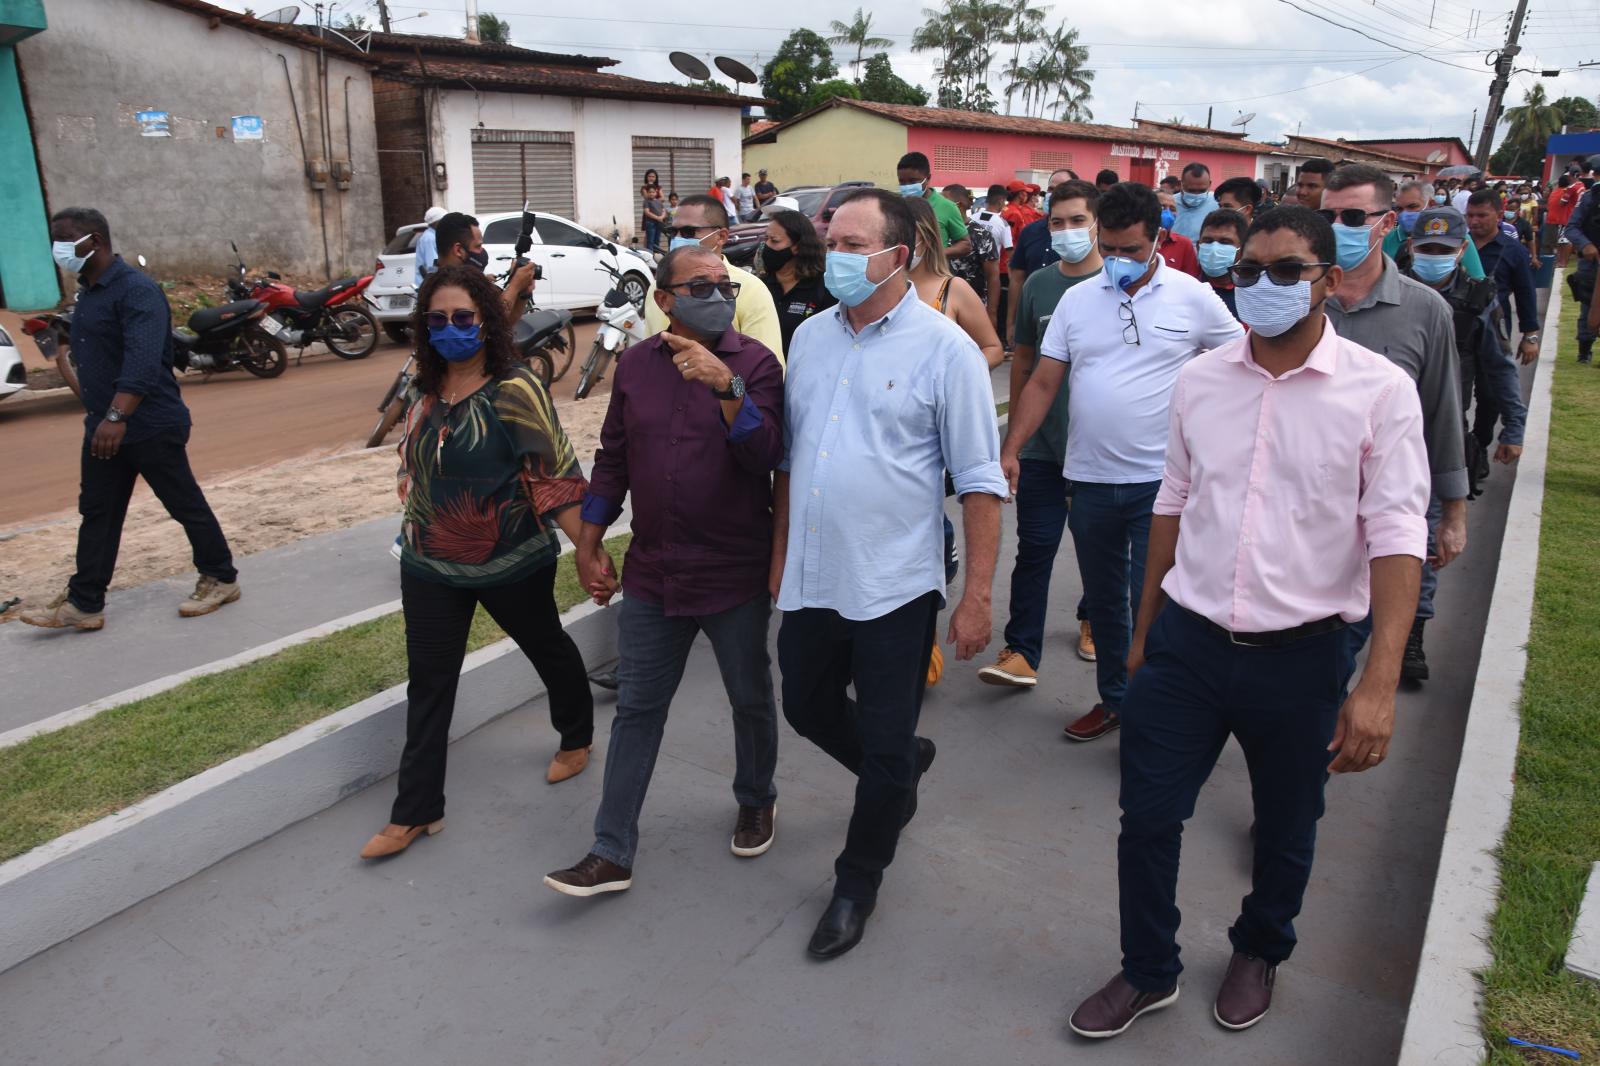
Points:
[694,431]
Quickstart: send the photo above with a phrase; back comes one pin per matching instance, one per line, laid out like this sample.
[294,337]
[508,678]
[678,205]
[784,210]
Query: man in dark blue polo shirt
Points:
[135,425]
[1506,262]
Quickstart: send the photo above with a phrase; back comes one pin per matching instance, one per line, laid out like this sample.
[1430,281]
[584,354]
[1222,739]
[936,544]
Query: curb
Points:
[1443,1022]
[65,887]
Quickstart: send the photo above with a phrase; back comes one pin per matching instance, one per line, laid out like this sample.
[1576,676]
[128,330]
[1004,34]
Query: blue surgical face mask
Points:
[1438,197]
[1432,268]
[1192,199]
[846,276]
[1511,215]
[1167,219]
[456,344]
[1354,244]
[1407,220]
[913,189]
[1073,245]
[1216,258]
[1272,310]
[66,254]
[682,242]
[1123,272]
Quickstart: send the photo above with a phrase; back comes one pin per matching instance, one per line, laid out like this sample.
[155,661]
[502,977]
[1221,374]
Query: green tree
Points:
[1023,26]
[965,34]
[1578,113]
[492,29]
[1072,76]
[880,83]
[824,91]
[351,24]
[858,31]
[710,85]
[1530,125]
[801,63]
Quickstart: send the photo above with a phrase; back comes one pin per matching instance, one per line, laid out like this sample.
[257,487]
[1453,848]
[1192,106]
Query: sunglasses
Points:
[462,319]
[701,290]
[1351,216]
[694,233]
[1288,272]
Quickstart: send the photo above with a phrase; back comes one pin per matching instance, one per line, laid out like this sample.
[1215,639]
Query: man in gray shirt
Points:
[1380,308]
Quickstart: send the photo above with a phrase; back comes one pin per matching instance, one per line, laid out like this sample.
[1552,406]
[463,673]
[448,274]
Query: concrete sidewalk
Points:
[998,915]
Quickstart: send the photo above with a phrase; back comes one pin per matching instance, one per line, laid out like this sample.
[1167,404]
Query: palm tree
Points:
[1072,78]
[1534,122]
[859,33]
[938,34]
[1021,27]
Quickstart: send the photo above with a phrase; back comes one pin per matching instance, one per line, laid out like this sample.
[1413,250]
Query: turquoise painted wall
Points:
[27,272]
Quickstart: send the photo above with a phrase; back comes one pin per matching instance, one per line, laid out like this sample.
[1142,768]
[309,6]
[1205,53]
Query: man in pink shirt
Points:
[1294,496]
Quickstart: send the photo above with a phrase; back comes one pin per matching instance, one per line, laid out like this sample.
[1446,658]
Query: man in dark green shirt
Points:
[1042,488]
[913,173]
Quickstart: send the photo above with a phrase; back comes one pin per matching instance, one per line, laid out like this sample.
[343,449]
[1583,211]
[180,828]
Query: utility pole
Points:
[1497,88]
[383,15]
[472,20]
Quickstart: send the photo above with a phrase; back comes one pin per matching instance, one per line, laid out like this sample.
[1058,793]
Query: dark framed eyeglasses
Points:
[464,318]
[1287,272]
[694,233]
[1125,312]
[700,290]
[1350,216]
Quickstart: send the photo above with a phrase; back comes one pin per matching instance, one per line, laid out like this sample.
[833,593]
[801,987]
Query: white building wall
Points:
[603,132]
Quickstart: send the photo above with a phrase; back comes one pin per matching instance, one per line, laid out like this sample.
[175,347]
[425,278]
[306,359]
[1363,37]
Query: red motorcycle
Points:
[334,315]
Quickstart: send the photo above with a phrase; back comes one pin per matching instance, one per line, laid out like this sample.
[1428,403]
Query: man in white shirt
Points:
[745,197]
[1124,337]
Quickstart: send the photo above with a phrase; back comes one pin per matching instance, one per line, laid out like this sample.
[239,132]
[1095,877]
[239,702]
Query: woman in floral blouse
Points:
[486,473]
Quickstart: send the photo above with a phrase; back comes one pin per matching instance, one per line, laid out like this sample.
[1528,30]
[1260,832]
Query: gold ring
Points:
[1374,755]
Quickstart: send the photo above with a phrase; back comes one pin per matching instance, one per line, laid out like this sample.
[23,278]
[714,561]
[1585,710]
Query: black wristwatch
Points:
[735,390]
[113,415]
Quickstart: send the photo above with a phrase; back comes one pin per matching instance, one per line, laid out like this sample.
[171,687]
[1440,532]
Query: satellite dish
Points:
[1244,119]
[1436,156]
[283,15]
[689,66]
[735,70]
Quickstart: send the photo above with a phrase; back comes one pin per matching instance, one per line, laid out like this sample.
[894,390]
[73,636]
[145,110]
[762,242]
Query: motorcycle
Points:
[622,325]
[333,315]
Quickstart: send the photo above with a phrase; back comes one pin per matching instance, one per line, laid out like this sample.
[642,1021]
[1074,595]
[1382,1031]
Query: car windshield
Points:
[403,242]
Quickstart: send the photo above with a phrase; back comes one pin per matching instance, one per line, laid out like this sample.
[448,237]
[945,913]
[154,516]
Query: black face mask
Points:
[775,259]
[479,259]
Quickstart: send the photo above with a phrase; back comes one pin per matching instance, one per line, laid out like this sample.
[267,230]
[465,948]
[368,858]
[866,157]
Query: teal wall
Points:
[27,273]
[19,18]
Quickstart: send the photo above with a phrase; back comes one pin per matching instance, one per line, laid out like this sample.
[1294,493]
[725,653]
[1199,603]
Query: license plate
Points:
[400,303]
[272,325]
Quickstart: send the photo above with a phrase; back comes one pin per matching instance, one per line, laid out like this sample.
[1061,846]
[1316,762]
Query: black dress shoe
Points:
[840,928]
[606,679]
[925,753]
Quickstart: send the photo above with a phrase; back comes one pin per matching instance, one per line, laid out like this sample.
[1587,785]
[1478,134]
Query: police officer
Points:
[1583,231]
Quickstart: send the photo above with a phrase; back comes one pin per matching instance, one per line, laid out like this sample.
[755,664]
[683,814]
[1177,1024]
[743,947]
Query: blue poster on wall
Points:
[247,128]
[152,124]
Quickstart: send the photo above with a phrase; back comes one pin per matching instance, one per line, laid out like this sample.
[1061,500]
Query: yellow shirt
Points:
[754,313]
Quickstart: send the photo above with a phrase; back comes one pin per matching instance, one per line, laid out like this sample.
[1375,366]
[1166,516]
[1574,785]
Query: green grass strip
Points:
[57,782]
[1554,833]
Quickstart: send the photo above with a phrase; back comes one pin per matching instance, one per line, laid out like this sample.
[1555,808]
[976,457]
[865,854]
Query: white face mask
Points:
[66,254]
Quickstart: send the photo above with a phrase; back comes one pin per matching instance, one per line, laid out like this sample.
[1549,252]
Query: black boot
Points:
[1585,350]
[1414,666]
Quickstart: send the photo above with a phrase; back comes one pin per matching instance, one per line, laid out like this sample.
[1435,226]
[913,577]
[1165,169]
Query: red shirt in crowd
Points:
[1179,253]
[1562,203]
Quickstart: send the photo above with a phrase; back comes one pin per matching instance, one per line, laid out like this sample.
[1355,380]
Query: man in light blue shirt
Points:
[1195,201]
[428,245]
[884,395]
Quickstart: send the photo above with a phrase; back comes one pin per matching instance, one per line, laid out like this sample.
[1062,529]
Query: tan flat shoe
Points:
[567,764]
[393,839]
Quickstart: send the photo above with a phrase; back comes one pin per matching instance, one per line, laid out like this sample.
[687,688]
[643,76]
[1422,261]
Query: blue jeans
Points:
[1196,689]
[1111,533]
[652,235]
[654,649]
[1042,507]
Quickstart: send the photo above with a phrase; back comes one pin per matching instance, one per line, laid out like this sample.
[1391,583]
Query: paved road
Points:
[323,406]
[997,917]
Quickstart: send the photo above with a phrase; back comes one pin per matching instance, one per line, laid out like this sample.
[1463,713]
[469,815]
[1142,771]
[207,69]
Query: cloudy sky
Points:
[1316,66]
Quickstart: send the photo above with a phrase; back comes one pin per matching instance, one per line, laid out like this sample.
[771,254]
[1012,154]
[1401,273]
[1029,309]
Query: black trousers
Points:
[872,736]
[438,618]
[106,486]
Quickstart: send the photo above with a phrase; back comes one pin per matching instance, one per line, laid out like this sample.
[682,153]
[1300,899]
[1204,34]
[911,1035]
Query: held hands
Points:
[598,575]
[107,439]
[970,626]
[695,363]
[1366,722]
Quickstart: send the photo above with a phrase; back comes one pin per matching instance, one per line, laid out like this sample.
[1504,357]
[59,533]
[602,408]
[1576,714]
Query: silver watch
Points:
[113,415]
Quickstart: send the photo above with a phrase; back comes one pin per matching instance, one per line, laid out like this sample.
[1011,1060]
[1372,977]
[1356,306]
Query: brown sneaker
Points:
[1094,725]
[208,595]
[1111,1010]
[753,832]
[393,839]
[1246,992]
[1085,641]
[567,764]
[590,877]
[1010,669]
[60,613]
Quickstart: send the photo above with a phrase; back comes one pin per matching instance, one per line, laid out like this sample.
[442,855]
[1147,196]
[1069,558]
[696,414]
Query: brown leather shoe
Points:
[1094,725]
[567,764]
[1246,992]
[393,839]
[753,833]
[1111,1010]
[62,613]
[592,876]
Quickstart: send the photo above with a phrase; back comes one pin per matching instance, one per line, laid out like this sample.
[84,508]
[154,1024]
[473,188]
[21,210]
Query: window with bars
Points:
[959,157]
[1049,159]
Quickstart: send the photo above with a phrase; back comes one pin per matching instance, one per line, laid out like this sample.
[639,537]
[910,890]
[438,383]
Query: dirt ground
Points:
[279,460]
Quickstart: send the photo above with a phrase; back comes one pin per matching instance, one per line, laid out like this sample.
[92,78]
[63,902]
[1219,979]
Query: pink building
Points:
[1438,151]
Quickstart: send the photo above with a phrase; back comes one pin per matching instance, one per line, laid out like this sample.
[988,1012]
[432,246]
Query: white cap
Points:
[433,214]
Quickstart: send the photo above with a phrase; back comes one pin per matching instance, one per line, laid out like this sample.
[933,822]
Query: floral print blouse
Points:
[481,480]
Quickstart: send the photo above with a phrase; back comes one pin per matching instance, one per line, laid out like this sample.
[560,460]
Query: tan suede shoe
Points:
[60,613]
[393,839]
[208,595]
[567,764]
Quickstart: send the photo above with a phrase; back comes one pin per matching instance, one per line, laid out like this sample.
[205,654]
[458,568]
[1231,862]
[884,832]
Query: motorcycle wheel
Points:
[391,414]
[352,332]
[262,354]
[594,369]
[561,356]
[398,332]
[539,363]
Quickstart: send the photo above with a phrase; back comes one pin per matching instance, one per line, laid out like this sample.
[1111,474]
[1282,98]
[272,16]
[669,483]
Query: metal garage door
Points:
[684,164]
[510,167]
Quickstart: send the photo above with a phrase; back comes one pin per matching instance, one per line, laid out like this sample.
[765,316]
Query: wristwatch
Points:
[113,415]
[735,390]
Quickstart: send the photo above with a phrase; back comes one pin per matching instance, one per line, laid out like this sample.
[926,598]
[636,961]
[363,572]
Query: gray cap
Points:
[1440,225]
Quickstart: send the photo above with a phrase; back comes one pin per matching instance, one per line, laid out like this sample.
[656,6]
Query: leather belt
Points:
[1276,639]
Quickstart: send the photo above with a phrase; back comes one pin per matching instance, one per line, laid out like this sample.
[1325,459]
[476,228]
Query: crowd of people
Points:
[1247,410]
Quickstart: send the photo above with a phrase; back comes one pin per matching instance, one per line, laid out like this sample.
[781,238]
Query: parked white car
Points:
[13,375]
[569,256]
